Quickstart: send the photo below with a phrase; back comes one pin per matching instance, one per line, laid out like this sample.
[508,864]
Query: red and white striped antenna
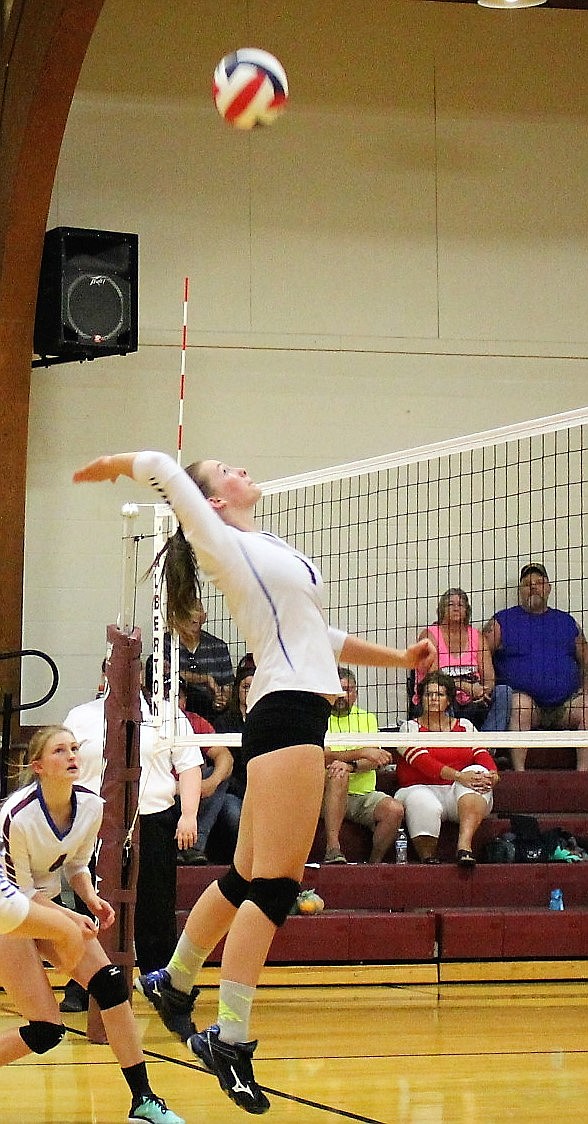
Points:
[183,370]
[174,653]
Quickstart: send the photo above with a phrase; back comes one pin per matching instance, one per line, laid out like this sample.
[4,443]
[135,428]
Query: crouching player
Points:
[50,824]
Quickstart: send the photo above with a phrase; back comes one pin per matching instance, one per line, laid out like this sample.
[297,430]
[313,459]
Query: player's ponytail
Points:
[180,568]
[182,581]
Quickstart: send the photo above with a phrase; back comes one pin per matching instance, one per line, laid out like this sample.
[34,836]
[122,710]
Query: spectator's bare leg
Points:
[521,718]
[388,816]
[334,808]
[471,809]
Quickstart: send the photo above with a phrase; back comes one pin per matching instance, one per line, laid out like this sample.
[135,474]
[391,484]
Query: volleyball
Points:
[250,88]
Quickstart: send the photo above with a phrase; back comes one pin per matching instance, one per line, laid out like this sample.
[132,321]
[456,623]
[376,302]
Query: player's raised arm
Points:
[105,468]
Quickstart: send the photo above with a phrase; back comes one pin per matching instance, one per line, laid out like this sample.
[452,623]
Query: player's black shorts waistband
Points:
[285,718]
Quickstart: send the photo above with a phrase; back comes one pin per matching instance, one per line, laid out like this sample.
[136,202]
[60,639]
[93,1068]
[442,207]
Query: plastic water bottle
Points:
[402,847]
[556,900]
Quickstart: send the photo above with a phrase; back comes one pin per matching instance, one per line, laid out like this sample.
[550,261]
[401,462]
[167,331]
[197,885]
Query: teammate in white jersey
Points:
[49,825]
[274,594]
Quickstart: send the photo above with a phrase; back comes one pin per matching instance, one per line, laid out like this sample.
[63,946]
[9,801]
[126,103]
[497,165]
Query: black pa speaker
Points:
[87,302]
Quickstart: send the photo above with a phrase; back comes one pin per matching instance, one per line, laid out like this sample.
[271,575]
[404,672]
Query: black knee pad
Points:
[108,987]
[234,887]
[40,1037]
[274,897]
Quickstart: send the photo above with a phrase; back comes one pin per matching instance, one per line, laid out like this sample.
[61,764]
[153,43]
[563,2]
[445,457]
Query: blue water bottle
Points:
[556,900]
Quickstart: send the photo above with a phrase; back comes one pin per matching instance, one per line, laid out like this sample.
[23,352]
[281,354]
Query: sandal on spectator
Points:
[465,858]
[334,855]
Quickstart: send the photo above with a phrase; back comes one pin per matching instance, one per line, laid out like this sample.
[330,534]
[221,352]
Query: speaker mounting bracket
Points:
[53,360]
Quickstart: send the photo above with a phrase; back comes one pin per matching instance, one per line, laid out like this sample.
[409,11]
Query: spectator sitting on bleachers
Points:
[204,663]
[450,782]
[542,654]
[463,653]
[232,721]
[350,779]
[217,805]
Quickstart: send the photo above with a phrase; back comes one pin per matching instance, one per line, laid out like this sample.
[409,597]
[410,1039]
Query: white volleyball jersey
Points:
[87,724]
[160,763]
[14,906]
[35,850]
[273,592]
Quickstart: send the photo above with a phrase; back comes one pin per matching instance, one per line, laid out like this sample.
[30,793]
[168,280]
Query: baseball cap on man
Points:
[534,568]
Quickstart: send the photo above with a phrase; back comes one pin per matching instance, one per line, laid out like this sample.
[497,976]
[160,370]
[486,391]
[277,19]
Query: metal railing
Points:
[9,708]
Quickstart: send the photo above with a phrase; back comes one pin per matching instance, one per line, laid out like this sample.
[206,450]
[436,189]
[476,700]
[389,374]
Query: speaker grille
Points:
[96,307]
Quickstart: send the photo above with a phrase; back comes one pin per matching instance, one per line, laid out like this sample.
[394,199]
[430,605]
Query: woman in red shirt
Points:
[443,782]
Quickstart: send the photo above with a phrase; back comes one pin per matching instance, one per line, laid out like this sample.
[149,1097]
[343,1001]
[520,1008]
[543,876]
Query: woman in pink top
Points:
[462,653]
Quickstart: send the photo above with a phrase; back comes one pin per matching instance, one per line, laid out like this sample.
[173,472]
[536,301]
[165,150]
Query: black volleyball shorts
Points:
[285,718]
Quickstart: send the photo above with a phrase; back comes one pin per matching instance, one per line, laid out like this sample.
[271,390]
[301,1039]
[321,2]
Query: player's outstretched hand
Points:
[105,468]
[422,655]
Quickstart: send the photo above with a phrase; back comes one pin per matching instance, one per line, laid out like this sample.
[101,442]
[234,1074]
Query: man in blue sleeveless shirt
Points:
[542,654]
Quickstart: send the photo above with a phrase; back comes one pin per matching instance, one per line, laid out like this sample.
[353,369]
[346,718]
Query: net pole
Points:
[126,621]
[118,856]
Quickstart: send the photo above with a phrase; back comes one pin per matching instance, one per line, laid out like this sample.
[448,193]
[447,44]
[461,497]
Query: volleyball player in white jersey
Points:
[274,594]
[49,825]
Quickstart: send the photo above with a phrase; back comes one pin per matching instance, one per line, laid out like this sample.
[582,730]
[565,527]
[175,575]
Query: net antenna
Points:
[174,672]
[165,525]
[183,369]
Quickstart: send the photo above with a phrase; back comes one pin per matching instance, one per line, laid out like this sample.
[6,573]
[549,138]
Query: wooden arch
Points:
[42,50]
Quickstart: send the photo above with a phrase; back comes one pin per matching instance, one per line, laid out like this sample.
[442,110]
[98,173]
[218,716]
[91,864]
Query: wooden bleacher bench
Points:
[440,914]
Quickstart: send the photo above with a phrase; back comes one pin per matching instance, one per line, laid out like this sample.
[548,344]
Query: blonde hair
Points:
[37,747]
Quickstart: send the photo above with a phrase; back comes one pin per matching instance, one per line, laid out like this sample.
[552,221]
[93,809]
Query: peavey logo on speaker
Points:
[98,280]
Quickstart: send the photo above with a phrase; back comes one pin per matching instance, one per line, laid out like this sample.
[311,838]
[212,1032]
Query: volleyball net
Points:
[392,533]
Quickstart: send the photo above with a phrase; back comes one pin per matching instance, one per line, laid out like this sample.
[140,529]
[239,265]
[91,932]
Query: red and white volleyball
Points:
[250,88]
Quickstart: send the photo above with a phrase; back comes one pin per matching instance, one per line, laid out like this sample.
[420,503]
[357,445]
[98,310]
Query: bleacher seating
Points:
[559,798]
[390,913]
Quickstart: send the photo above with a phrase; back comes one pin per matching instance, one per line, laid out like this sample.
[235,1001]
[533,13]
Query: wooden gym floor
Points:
[402,1053]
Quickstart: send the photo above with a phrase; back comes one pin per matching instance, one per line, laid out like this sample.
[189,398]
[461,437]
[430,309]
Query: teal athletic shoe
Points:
[154,1110]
